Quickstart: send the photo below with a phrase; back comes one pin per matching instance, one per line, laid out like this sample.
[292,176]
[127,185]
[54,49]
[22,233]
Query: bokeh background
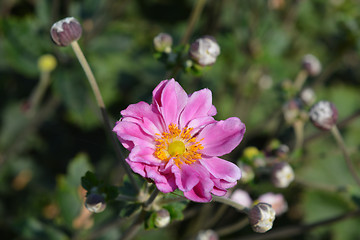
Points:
[42,158]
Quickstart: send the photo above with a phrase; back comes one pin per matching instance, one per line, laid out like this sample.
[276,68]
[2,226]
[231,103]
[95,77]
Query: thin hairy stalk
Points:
[300,80]
[233,228]
[38,92]
[231,203]
[108,125]
[195,14]
[299,133]
[287,232]
[340,141]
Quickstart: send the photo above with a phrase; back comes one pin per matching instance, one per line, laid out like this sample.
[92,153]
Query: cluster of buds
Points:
[66,31]
[323,115]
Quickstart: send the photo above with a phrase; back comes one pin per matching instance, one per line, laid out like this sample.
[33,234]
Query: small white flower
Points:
[282,175]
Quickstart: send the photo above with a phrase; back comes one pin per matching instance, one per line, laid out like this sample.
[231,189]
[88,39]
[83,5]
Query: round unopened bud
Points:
[162,218]
[277,202]
[204,51]
[95,203]
[311,64]
[66,31]
[291,110]
[163,42]
[242,197]
[282,175]
[282,151]
[207,235]
[261,217]
[47,63]
[323,115]
[308,96]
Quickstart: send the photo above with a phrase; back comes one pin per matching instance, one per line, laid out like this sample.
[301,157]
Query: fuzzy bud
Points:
[311,65]
[282,175]
[95,203]
[162,218]
[261,217]
[308,96]
[66,31]
[163,42]
[323,115]
[204,51]
[277,202]
[207,235]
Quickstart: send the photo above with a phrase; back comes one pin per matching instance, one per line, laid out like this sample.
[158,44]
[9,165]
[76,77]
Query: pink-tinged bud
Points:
[261,217]
[277,202]
[308,96]
[204,51]
[311,64]
[162,218]
[241,197]
[95,203]
[324,115]
[207,235]
[282,175]
[163,42]
[66,31]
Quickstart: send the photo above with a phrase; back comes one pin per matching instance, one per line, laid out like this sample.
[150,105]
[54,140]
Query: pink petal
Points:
[144,155]
[131,134]
[218,192]
[221,169]
[186,177]
[165,183]
[170,99]
[222,137]
[138,168]
[142,114]
[198,105]
[201,192]
[199,123]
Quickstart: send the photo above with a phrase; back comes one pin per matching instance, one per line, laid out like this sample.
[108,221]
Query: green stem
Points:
[300,80]
[39,91]
[231,203]
[195,14]
[299,133]
[340,141]
[233,228]
[108,125]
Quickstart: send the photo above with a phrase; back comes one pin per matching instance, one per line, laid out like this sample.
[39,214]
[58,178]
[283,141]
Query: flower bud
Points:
[291,111]
[163,42]
[47,63]
[323,115]
[308,96]
[207,235]
[311,64]
[282,175]
[66,31]
[277,202]
[241,197]
[204,51]
[251,152]
[261,217]
[282,151]
[95,203]
[162,218]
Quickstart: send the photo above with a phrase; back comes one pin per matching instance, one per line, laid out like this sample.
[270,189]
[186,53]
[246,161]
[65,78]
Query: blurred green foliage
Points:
[43,158]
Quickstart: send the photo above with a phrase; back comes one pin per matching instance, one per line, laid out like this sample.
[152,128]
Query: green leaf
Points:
[130,209]
[77,168]
[89,181]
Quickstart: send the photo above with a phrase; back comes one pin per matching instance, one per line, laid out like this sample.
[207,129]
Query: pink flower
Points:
[175,142]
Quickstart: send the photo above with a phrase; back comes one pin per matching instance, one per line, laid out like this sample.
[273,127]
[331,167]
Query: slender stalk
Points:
[39,91]
[218,214]
[300,79]
[340,141]
[108,125]
[231,203]
[233,228]
[299,133]
[195,14]
[288,232]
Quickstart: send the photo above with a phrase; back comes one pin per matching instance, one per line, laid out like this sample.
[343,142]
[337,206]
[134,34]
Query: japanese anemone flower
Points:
[175,142]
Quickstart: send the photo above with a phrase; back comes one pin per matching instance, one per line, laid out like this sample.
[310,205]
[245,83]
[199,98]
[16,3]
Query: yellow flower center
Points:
[178,145]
